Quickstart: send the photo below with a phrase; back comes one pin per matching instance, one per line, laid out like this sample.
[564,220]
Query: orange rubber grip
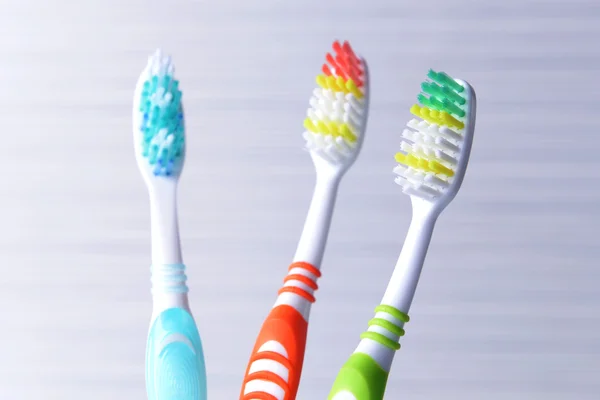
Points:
[287,326]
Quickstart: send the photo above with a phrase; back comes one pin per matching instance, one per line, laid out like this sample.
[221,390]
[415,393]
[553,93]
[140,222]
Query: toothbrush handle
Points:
[278,354]
[175,367]
[362,377]
[365,373]
[286,329]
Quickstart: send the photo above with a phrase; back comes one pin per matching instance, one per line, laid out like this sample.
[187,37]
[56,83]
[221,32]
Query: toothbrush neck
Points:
[318,221]
[169,288]
[403,283]
[166,247]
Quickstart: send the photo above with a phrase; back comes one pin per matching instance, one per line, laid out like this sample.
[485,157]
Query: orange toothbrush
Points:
[335,128]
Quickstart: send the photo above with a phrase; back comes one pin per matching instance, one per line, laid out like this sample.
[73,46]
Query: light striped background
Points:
[509,302]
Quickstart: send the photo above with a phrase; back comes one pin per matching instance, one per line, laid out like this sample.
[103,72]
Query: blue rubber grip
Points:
[175,367]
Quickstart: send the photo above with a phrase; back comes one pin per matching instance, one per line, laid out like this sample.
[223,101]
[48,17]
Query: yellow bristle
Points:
[323,128]
[347,133]
[332,84]
[423,164]
[341,83]
[322,81]
[436,117]
[308,124]
[333,128]
[439,169]
[352,88]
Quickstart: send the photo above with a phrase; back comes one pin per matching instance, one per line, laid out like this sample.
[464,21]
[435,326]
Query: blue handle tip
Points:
[175,367]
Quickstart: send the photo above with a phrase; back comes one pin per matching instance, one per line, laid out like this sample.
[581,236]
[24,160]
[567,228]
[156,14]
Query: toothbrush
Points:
[174,358]
[335,128]
[432,164]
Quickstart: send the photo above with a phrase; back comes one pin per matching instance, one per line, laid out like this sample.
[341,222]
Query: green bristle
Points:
[443,94]
[432,89]
[452,108]
[445,80]
[425,101]
[452,95]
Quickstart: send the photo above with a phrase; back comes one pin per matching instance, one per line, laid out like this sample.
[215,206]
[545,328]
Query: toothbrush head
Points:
[338,113]
[158,120]
[436,145]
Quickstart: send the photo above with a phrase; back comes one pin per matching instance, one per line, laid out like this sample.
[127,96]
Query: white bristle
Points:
[357,105]
[434,130]
[333,152]
[446,145]
[352,117]
[428,190]
[419,192]
[435,181]
[159,65]
[343,147]
[399,169]
[445,159]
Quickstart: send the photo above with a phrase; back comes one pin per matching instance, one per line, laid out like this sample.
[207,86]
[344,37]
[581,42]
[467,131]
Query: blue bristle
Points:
[158,116]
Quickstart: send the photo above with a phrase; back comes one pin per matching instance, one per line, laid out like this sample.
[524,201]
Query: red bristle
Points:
[340,72]
[341,62]
[355,73]
[354,60]
[334,64]
[342,56]
[331,61]
[348,49]
[357,81]
[344,66]
[357,63]
[326,70]
[337,47]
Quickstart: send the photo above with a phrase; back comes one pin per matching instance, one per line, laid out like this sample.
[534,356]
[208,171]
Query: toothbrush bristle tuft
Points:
[162,129]
[432,143]
[335,119]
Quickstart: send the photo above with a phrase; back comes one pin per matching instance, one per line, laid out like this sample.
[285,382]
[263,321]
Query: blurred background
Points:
[508,306]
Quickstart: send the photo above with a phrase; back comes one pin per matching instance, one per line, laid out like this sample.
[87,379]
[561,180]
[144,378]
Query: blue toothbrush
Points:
[175,367]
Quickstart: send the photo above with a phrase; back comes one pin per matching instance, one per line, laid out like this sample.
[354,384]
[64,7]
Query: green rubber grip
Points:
[362,377]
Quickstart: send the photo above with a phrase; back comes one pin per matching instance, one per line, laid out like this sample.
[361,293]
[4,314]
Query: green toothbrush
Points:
[431,167]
